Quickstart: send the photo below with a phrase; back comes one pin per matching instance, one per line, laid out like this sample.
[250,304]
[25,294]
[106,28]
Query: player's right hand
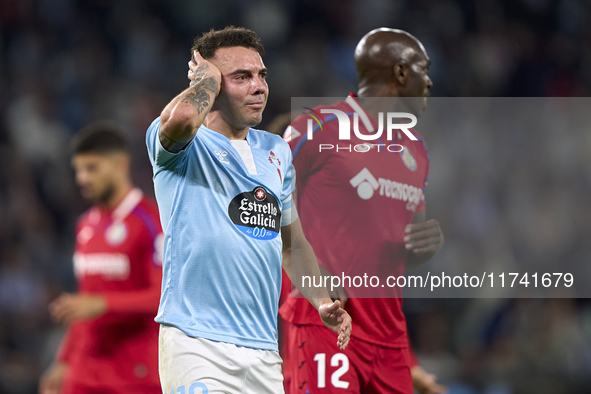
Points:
[338,320]
[426,383]
[199,68]
[52,379]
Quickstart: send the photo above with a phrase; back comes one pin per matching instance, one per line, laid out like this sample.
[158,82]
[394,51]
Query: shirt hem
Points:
[225,338]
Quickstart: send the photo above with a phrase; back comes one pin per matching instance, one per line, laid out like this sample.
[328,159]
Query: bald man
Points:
[355,215]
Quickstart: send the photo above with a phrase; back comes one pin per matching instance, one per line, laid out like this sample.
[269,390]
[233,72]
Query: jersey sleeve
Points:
[288,210]
[160,157]
[307,157]
[141,301]
[147,299]
[423,203]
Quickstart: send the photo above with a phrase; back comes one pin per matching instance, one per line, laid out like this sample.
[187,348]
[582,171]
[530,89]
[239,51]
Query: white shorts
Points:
[191,365]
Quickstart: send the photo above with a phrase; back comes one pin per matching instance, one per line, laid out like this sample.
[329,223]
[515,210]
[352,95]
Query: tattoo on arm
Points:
[199,96]
[199,75]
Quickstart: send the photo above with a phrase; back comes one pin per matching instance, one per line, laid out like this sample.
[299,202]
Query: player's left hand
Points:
[69,307]
[336,293]
[423,238]
[338,320]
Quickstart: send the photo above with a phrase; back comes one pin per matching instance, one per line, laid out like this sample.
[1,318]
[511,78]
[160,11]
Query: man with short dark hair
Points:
[224,194]
[362,211]
[111,343]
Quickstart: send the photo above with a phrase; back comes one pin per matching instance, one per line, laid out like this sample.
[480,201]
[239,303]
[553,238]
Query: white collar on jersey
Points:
[128,204]
[243,148]
[361,113]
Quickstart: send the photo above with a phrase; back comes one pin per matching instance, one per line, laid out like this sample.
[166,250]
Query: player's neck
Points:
[118,195]
[391,102]
[375,90]
[217,123]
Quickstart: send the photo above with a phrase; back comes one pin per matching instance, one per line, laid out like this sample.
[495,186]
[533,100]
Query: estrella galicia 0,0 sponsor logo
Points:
[256,213]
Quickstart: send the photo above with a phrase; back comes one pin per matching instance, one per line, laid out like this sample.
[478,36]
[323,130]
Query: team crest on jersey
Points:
[276,162]
[256,214]
[116,233]
[260,193]
[408,159]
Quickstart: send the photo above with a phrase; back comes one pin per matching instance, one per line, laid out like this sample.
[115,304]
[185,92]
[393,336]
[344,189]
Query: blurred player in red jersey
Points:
[423,381]
[362,224]
[112,341]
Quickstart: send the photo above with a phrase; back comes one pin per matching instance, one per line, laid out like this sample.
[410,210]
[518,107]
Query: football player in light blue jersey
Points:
[224,194]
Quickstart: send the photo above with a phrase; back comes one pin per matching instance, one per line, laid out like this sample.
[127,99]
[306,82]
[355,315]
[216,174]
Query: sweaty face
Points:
[244,91]
[95,175]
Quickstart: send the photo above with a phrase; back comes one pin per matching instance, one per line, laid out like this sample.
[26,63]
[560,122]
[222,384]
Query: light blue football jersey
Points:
[222,246]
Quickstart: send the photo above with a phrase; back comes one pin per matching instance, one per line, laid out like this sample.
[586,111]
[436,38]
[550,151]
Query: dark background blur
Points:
[65,63]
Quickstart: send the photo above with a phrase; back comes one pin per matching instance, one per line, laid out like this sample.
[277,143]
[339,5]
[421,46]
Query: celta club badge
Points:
[259,193]
[276,162]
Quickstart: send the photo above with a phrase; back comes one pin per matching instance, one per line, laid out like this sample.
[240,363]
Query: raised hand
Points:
[199,68]
[182,117]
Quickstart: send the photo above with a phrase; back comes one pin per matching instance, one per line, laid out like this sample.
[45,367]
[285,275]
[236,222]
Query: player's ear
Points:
[400,73]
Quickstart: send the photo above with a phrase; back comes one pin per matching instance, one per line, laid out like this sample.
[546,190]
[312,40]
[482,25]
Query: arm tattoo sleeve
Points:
[199,75]
[199,97]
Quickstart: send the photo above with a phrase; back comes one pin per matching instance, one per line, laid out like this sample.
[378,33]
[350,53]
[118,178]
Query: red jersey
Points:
[118,254]
[354,207]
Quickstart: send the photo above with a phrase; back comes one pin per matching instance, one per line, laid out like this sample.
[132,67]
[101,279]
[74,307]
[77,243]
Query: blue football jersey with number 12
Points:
[222,246]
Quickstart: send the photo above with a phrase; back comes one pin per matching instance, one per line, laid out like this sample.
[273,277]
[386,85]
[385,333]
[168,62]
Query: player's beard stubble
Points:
[100,197]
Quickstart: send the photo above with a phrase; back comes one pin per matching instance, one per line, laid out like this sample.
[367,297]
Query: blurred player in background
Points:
[423,381]
[224,193]
[357,227]
[112,341]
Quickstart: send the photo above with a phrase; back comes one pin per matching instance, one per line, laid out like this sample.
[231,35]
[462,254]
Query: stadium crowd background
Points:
[64,63]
